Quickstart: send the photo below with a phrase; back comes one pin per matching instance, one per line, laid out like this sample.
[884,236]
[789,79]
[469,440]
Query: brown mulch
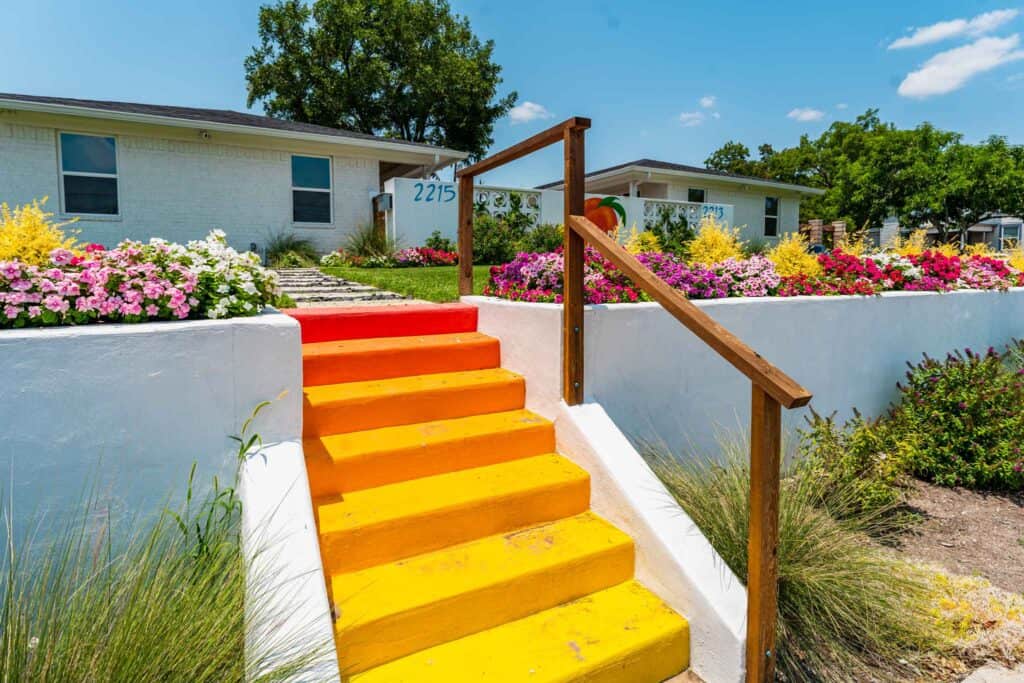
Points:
[969,533]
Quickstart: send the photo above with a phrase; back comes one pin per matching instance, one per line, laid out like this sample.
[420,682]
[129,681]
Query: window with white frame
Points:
[311,190]
[88,169]
[771,216]
[695,194]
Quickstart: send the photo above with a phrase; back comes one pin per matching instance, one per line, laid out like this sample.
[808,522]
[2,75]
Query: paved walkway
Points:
[310,287]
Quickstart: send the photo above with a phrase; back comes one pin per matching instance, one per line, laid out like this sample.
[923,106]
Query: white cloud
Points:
[944,30]
[805,114]
[708,101]
[691,118]
[842,105]
[950,70]
[529,111]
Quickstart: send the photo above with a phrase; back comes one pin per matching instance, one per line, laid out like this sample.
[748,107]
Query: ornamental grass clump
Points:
[847,610]
[170,603]
[28,235]
[715,242]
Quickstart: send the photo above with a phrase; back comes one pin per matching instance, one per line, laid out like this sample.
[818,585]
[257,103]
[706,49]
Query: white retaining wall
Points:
[121,412]
[658,381]
[650,378]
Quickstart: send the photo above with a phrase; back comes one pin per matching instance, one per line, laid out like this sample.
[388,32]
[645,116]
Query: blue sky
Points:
[668,80]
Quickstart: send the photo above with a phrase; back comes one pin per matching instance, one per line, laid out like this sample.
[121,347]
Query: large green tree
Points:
[408,69]
[869,169]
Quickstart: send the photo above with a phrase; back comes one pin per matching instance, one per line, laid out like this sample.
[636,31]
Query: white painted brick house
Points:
[139,171]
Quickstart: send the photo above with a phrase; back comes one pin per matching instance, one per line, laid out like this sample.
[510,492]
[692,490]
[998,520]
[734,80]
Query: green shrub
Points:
[494,240]
[847,610]
[673,233]
[370,241]
[959,421]
[542,239]
[288,250]
[436,241]
[292,259]
[852,459]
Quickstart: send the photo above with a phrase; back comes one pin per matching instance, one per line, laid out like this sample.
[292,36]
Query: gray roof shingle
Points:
[224,116]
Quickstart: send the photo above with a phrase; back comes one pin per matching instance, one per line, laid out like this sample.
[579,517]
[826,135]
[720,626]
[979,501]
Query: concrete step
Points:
[342,463]
[385,524]
[393,610]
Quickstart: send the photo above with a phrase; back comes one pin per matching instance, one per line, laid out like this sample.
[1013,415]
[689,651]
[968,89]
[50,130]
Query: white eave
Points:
[646,172]
[438,154]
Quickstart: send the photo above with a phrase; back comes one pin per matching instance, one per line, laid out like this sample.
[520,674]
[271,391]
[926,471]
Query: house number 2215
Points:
[433,192]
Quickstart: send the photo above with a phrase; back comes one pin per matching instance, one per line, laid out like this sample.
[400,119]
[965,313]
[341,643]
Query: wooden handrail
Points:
[531,144]
[771,389]
[776,383]
[558,133]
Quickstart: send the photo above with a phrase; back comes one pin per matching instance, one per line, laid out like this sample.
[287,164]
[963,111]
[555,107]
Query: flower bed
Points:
[538,277]
[135,282]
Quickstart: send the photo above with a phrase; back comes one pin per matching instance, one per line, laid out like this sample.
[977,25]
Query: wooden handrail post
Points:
[763,543]
[572,277]
[465,235]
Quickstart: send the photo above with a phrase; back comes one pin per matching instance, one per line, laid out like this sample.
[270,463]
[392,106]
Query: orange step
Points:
[341,463]
[356,360]
[366,322]
[387,523]
[355,406]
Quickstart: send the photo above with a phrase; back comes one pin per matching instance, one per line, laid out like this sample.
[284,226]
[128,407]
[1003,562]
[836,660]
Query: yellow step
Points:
[392,610]
[340,463]
[387,523]
[355,406]
[622,634]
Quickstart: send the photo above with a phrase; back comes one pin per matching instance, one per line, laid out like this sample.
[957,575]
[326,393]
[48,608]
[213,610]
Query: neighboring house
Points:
[762,209]
[997,230]
[139,171]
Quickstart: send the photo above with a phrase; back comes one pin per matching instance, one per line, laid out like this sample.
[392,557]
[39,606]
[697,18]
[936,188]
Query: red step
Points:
[368,322]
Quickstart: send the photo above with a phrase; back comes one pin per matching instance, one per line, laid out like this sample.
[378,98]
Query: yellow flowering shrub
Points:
[715,242]
[1015,256]
[946,249]
[791,257]
[28,235]
[912,246]
[640,242]
[855,246]
[979,249]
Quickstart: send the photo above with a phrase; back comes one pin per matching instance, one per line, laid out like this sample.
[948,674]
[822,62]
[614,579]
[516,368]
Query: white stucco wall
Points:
[658,381]
[119,413]
[180,189]
[125,410]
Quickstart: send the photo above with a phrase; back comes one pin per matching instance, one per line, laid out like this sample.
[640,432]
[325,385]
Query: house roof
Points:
[215,119]
[648,165]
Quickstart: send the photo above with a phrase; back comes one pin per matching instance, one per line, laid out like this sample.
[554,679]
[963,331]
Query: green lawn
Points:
[436,283]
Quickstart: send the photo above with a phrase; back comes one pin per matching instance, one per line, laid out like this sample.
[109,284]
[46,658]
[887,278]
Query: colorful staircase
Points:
[457,544]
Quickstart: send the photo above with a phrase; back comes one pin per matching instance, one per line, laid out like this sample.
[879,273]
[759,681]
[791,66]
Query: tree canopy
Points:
[408,69]
[870,169]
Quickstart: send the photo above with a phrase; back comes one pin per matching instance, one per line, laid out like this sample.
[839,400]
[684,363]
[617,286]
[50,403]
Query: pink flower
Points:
[56,304]
[61,257]
[152,310]
[35,311]
[11,311]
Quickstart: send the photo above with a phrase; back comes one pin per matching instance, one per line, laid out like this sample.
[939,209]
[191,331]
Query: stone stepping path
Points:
[311,287]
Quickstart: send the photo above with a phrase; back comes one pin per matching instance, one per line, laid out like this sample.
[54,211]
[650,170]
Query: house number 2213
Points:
[433,192]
